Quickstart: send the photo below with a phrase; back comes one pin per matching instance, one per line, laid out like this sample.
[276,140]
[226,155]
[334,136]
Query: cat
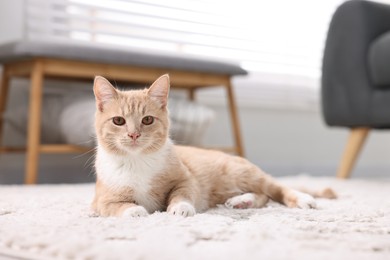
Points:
[140,171]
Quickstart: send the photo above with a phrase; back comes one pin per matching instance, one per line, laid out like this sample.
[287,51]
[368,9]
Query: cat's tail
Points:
[326,193]
[302,198]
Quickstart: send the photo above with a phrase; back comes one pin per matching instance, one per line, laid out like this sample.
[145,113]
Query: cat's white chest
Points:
[135,172]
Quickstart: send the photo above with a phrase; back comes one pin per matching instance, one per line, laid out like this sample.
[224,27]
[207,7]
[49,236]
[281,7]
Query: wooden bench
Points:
[39,61]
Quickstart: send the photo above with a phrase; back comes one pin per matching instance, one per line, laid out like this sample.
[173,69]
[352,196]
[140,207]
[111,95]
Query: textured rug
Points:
[54,222]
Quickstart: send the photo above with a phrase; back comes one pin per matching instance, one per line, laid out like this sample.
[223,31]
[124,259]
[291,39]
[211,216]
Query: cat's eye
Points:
[118,120]
[147,120]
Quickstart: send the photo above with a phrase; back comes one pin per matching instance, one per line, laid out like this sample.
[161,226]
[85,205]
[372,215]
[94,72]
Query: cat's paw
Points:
[243,201]
[303,201]
[135,211]
[182,208]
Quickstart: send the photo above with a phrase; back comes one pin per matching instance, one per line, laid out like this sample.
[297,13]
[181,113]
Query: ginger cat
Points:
[140,171]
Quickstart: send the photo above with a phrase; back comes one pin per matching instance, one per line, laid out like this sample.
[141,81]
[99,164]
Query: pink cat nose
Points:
[134,136]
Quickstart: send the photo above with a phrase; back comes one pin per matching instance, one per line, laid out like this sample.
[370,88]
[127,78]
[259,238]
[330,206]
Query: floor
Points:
[54,222]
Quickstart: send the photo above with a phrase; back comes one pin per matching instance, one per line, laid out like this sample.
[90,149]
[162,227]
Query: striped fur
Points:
[149,174]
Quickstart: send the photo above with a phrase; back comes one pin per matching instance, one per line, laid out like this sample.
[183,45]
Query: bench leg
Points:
[34,124]
[234,119]
[3,100]
[191,94]
[354,145]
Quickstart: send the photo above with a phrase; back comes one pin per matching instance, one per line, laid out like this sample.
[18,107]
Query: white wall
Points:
[285,142]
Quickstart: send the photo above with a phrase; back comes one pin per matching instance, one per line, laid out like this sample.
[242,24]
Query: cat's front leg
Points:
[121,209]
[181,207]
[180,201]
[135,211]
[182,197]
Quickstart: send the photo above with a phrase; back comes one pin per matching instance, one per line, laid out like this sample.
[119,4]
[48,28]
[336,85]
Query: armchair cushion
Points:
[379,61]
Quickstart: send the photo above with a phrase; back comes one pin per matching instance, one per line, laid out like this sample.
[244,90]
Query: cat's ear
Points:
[160,90]
[104,92]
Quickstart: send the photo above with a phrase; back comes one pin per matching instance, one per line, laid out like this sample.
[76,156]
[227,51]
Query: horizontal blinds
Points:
[273,36]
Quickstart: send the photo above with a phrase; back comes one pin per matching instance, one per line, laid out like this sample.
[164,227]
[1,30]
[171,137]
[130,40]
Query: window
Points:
[279,41]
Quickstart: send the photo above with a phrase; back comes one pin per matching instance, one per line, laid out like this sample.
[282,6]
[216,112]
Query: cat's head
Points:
[134,121]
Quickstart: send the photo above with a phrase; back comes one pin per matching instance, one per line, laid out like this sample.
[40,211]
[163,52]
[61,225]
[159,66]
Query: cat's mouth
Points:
[130,144]
[134,144]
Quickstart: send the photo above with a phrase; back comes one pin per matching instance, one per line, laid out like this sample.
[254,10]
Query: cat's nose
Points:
[134,136]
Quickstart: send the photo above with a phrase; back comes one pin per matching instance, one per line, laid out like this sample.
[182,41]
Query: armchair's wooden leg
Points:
[3,99]
[355,143]
[234,119]
[34,123]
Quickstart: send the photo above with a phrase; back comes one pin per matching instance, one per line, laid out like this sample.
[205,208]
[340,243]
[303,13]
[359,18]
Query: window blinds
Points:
[273,36]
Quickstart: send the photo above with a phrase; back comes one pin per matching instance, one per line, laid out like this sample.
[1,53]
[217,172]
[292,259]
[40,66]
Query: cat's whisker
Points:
[90,164]
[92,150]
[90,161]
[88,142]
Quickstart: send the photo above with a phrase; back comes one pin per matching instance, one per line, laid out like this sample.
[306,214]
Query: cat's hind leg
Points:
[247,200]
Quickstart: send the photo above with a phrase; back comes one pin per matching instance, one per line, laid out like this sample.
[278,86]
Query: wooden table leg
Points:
[3,99]
[34,123]
[191,94]
[234,120]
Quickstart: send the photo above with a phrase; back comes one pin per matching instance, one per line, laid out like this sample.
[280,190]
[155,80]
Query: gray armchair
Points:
[356,74]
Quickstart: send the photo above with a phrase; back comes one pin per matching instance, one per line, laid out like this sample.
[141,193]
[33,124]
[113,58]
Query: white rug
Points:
[53,221]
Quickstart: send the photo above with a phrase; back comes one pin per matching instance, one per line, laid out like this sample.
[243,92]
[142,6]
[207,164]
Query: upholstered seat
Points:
[111,55]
